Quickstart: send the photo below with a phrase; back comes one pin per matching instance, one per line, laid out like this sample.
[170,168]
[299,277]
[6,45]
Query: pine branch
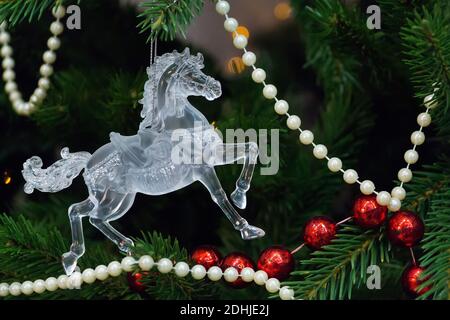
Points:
[333,272]
[167,18]
[19,10]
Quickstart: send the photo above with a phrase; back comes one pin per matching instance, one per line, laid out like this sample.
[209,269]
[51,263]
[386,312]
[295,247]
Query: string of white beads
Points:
[145,263]
[391,200]
[46,69]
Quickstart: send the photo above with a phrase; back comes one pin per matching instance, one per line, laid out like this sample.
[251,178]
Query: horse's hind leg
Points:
[113,206]
[76,213]
[208,177]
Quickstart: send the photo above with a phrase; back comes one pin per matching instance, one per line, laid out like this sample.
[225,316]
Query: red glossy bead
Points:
[412,279]
[207,256]
[367,213]
[239,261]
[277,262]
[135,281]
[405,229]
[318,232]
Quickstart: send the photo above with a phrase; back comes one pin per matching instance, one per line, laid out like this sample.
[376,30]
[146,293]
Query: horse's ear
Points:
[200,58]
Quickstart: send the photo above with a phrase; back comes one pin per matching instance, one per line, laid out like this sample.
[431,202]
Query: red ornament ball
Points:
[239,261]
[277,262]
[405,229]
[135,281]
[318,232]
[206,256]
[367,213]
[412,279]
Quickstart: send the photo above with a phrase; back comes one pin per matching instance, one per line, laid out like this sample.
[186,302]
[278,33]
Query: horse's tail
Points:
[56,177]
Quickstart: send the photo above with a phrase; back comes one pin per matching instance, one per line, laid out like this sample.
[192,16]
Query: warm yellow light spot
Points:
[235,65]
[7,180]
[214,124]
[282,11]
[243,31]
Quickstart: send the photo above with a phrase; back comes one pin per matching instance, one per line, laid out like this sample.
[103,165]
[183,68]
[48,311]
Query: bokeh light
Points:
[282,11]
[243,31]
[235,65]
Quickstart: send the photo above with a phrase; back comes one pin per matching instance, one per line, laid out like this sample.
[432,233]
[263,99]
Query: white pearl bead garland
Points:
[46,70]
[320,151]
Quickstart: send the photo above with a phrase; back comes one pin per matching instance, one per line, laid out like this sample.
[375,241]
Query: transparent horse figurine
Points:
[146,162]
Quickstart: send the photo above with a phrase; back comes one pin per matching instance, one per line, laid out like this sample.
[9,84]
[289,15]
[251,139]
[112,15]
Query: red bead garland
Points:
[239,261]
[277,262]
[367,213]
[405,229]
[318,232]
[412,279]
[206,256]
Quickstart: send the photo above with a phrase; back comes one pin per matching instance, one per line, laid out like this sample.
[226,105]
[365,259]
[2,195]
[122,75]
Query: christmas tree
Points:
[357,73]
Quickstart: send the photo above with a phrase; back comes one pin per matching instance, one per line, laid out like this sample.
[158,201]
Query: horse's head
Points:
[191,81]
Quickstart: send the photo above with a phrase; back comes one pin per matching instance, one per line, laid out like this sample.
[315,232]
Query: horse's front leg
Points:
[76,213]
[208,177]
[230,152]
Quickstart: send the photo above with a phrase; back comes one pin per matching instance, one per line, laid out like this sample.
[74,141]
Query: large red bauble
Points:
[135,281]
[405,229]
[277,262]
[318,232]
[367,213]
[239,261]
[206,256]
[412,279]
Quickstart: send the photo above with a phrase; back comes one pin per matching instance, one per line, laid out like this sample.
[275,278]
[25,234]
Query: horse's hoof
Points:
[250,232]
[239,198]
[126,246]
[69,261]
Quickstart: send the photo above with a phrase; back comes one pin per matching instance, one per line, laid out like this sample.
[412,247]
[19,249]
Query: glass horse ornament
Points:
[144,163]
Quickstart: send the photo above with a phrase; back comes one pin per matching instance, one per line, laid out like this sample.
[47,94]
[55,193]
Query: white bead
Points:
[46,70]
[270,91]
[430,102]
[9,75]
[404,175]
[383,198]
[101,272]
[146,263]
[320,151]
[335,164]
[272,285]
[4,37]
[51,284]
[215,273]
[398,193]
[10,86]
[367,187]
[261,277]
[127,264]
[350,176]
[417,138]
[293,122]
[4,290]
[27,288]
[75,280]
[165,265]
[424,119]
[56,28]
[281,107]
[411,156]
[249,58]
[34,99]
[8,63]
[181,269]
[230,24]
[15,289]
[306,137]
[88,276]
[44,83]
[240,41]
[394,205]
[286,293]
[49,57]
[15,96]
[222,7]
[40,93]
[53,43]
[258,75]
[59,12]
[230,274]
[114,268]
[247,274]
[198,272]
[39,286]
[6,51]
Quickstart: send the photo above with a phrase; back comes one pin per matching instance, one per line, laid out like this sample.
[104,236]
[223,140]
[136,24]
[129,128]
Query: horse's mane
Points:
[155,71]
